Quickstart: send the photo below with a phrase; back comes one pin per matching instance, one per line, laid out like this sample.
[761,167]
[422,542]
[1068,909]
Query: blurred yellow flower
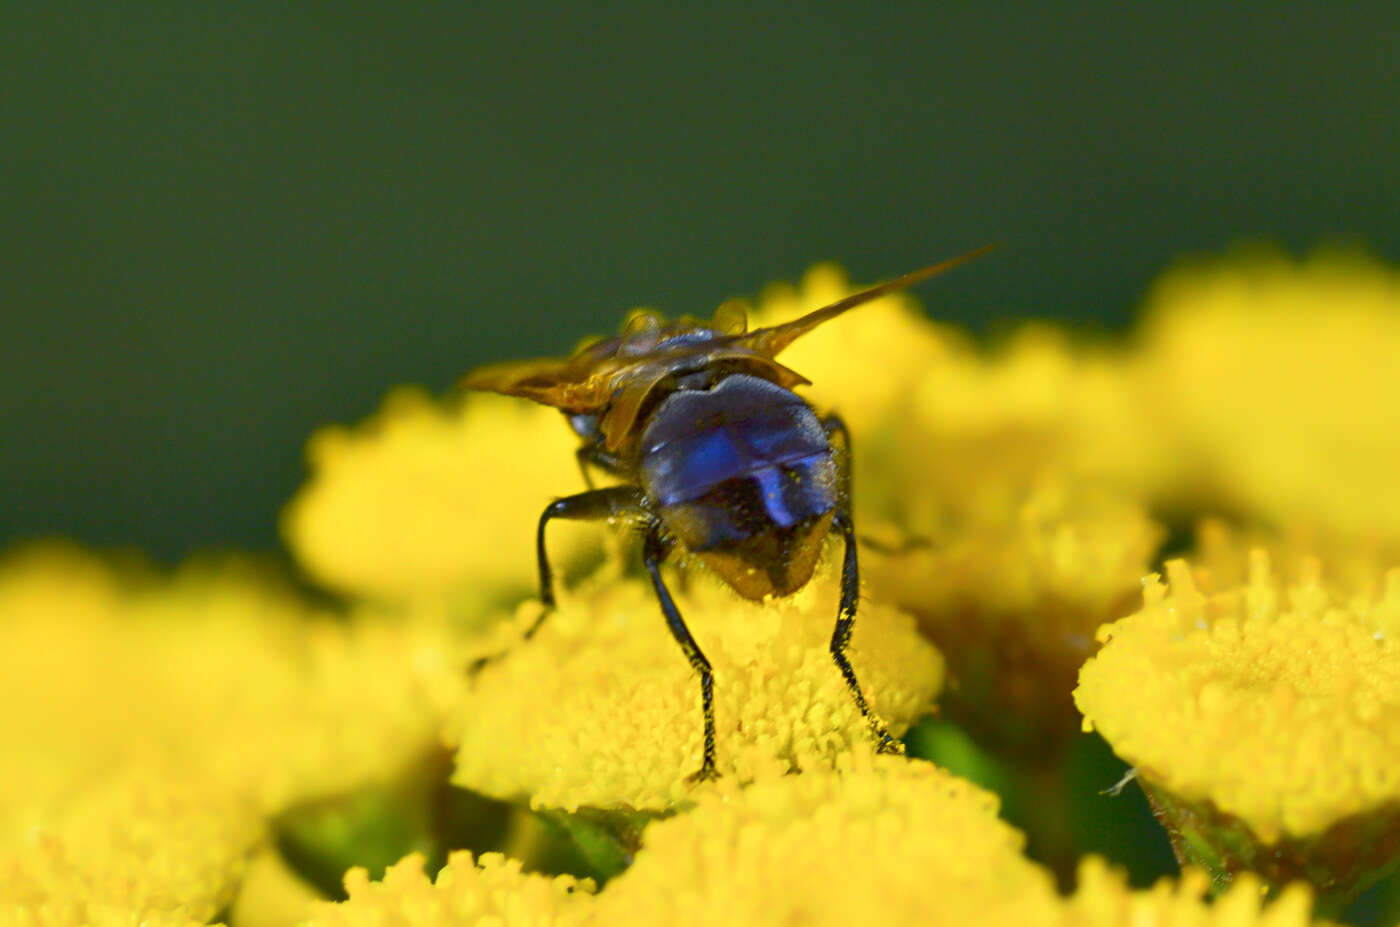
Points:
[138,849]
[152,724]
[491,890]
[433,503]
[1277,383]
[601,709]
[1013,603]
[889,841]
[1103,900]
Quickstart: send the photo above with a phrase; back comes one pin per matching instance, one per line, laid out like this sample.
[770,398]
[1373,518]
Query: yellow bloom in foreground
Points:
[880,840]
[893,842]
[138,850]
[152,725]
[1277,381]
[601,709]
[425,502]
[492,890]
[1103,900]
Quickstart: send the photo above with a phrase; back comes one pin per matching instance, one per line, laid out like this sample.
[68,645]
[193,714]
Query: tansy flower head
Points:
[491,890]
[1262,722]
[1102,899]
[429,503]
[890,842]
[1013,602]
[213,699]
[601,709]
[146,849]
[1276,382]
[977,428]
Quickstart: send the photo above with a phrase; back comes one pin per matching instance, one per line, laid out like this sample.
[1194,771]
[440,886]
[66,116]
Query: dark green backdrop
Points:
[221,227]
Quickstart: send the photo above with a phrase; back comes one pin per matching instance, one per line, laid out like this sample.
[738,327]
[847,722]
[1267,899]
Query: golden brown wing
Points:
[565,383]
[773,339]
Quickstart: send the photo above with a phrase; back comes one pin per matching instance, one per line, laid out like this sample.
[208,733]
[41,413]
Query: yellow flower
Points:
[492,890]
[1261,720]
[601,709]
[879,840]
[145,849]
[889,842]
[978,429]
[1277,384]
[427,503]
[1013,603]
[1102,898]
[153,724]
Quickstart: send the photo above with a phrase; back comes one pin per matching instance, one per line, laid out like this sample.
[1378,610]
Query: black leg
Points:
[850,592]
[593,505]
[653,554]
[836,428]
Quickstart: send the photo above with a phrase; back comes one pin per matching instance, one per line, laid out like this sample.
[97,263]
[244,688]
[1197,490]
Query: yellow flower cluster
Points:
[432,505]
[1199,687]
[137,849]
[1276,384]
[601,709]
[491,890]
[881,840]
[1101,900]
[156,723]
[164,722]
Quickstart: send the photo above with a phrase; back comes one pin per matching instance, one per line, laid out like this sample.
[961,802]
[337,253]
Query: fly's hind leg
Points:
[593,505]
[850,591]
[654,553]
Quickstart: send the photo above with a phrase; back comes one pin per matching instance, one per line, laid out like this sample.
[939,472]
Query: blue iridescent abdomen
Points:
[743,475]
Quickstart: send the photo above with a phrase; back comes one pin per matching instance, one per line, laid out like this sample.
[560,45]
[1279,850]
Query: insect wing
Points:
[773,339]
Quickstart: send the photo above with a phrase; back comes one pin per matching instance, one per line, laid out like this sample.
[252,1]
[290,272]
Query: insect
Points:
[714,453]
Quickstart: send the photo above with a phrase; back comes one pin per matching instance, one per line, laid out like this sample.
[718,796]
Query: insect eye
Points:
[640,322]
[730,318]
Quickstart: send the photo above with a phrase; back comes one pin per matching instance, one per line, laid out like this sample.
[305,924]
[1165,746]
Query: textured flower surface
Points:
[428,503]
[601,709]
[881,840]
[180,746]
[491,890]
[161,721]
[1197,688]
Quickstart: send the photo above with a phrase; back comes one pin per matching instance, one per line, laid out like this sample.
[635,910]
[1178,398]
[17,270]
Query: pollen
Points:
[430,503]
[1272,701]
[601,709]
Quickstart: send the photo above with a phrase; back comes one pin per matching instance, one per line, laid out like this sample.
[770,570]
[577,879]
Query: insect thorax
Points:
[743,475]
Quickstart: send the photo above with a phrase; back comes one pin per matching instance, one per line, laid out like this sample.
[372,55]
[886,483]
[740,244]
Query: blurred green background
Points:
[225,225]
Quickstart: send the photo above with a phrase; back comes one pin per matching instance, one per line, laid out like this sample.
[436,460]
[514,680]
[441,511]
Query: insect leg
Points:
[593,455]
[654,552]
[836,427]
[593,505]
[850,591]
